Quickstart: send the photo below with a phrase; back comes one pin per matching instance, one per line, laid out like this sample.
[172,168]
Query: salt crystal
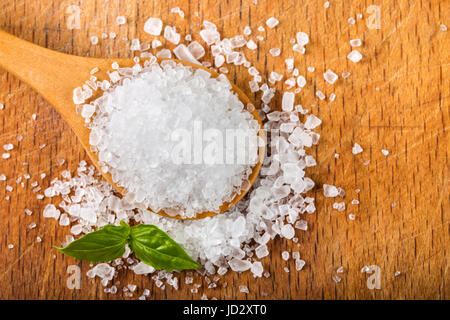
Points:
[243,289]
[287,231]
[178,11]
[330,191]
[275,76]
[171,35]
[196,49]
[354,56]
[299,264]
[385,152]
[310,69]
[351,20]
[239,265]
[78,95]
[285,255]
[275,52]
[326,4]
[332,97]
[302,38]
[272,22]
[346,74]
[156,43]
[135,45]
[2,106]
[336,278]
[251,45]
[247,31]
[10,246]
[339,206]
[261,251]
[121,20]
[164,53]
[94,40]
[312,122]
[76,229]
[356,42]
[330,76]
[397,273]
[210,36]
[443,27]
[183,53]
[257,269]
[351,216]
[8,146]
[320,95]
[357,148]
[301,81]
[153,26]
[288,101]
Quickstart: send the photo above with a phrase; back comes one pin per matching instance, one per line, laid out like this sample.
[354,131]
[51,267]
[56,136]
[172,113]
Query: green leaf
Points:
[155,248]
[102,245]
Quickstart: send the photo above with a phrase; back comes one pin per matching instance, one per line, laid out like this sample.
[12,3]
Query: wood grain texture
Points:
[396,98]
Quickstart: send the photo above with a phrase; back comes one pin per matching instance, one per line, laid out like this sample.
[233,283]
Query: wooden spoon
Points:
[55,75]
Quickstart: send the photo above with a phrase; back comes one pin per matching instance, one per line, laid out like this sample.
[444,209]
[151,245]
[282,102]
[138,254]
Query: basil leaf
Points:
[103,245]
[155,248]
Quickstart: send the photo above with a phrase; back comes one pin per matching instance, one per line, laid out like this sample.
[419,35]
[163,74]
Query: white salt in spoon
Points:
[54,75]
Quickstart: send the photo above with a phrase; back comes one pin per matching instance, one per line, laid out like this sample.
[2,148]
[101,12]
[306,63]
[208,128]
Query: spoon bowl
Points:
[55,75]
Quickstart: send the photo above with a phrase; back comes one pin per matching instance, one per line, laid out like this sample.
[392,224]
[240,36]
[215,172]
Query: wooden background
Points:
[396,98]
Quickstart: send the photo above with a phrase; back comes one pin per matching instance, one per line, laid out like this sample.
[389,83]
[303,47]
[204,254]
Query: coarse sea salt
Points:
[153,26]
[166,171]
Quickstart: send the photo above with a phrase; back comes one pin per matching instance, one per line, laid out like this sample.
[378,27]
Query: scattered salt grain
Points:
[272,22]
[285,255]
[94,40]
[326,4]
[8,146]
[135,45]
[287,103]
[196,49]
[336,278]
[10,246]
[183,53]
[397,273]
[330,191]
[170,34]
[247,31]
[121,20]
[357,149]
[153,26]
[351,20]
[251,45]
[320,95]
[351,216]
[6,155]
[443,28]
[287,231]
[275,52]
[339,206]
[356,42]
[312,122]
[385,152]
[355,56]
[302,38]
[243,289]
[340,269]
[299,264]
[330,76]
[178,11]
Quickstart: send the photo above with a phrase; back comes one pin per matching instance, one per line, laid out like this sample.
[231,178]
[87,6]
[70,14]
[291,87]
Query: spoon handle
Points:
[53,74]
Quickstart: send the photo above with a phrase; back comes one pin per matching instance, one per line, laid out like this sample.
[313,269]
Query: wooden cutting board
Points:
[396,98]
